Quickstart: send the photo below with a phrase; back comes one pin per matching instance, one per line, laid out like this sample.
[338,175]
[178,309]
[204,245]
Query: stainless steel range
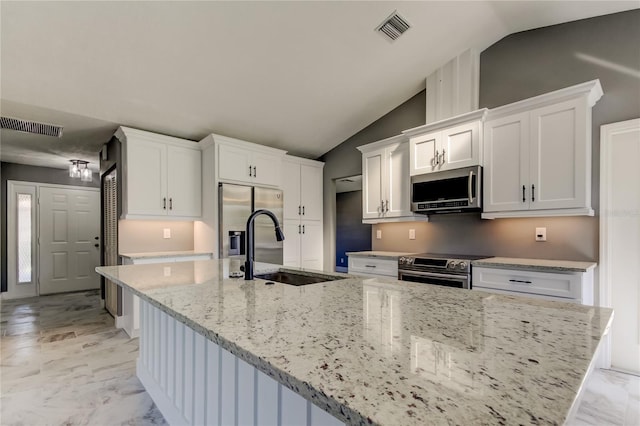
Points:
[451,270]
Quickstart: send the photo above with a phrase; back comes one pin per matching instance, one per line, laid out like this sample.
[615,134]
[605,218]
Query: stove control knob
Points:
[452,265]
[402,260]
[463,265]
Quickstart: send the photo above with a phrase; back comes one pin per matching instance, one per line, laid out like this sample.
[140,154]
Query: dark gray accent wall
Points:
[517,67]
[345,160]
[351,233]
[21,172]
[538,61]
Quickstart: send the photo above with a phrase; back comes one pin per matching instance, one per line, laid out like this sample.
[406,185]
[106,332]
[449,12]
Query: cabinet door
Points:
[460,146]
[559,160]
[146,174]
[398,182]
[291,189]
[372,183]
[184,181]
[234,163]
[291,244]
[506,166]
[311,245]
[423,153]
[311,192]
[266,169]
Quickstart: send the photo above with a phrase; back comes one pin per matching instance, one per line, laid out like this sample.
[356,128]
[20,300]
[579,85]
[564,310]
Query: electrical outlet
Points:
[167,271]
[379,234]
[342,260]
[412,234]
[541,234]
[167,233]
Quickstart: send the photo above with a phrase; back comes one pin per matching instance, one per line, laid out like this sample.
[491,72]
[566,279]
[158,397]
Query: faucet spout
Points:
[248,264]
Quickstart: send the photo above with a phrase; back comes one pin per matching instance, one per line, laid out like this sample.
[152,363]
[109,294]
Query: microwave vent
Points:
[393,27]
[30,127]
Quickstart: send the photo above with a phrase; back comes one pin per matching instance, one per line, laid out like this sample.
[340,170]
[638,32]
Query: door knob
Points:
[96,245]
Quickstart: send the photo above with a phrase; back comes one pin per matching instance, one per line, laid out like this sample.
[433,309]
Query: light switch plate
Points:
[412,234]
[541,234]
[379,234]
[167,233]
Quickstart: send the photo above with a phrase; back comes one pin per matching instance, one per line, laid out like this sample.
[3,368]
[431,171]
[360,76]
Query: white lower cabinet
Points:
[576,287]
[303,244]
[373,266]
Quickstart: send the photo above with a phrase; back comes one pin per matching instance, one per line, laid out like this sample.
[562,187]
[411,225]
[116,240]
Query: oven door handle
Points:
[470,188]
[452,277]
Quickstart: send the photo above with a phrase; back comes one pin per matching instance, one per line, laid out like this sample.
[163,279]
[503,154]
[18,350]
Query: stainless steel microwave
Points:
[449,191]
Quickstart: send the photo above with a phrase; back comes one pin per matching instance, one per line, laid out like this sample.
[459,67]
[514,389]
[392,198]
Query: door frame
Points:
[12,237]
[604,276]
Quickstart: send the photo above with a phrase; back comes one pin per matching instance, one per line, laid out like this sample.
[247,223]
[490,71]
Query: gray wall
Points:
[517,67]
[12,171]
[345,160]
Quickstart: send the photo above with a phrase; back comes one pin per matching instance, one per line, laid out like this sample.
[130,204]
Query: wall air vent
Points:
[393,27]
[30,127]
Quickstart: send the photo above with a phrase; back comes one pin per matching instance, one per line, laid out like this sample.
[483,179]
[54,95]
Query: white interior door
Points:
[69,246]
[620,239]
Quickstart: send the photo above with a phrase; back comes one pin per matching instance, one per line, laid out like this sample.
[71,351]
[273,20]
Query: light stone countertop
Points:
[162,254]
[540,265]
[387,352]
[385,254]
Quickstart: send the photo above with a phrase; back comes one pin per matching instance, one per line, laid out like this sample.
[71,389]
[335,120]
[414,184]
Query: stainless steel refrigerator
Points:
[235,204]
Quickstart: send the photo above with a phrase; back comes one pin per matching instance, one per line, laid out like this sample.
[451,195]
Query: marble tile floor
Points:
[63,362]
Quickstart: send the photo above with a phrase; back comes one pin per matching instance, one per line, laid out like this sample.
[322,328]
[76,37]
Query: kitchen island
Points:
[215,350]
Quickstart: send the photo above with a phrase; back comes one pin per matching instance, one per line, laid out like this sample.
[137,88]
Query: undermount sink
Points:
[295,278]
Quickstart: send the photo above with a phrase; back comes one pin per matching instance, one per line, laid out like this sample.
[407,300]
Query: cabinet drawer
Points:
[567,286]
[373,266]
[532,295]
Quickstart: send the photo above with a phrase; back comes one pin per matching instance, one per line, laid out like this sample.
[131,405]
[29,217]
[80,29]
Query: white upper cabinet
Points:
[537,155]
[386,184]
[162,176]
[447,144]
[302,185]
[245,162]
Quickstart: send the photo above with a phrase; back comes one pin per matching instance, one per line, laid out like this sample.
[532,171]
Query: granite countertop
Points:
[387,254]
[541,265]
[388,352]
[161,254]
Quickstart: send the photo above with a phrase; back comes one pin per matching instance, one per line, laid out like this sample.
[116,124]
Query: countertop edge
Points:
[569,266]
[163,254]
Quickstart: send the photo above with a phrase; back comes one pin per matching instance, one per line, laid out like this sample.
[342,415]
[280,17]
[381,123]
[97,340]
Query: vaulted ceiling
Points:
[301,76]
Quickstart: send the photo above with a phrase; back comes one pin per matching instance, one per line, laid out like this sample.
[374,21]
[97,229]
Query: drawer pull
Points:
[370,266]
[520,281]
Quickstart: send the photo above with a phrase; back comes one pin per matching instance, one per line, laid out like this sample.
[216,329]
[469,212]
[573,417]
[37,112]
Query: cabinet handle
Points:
[299,210]
[533,192]
[170,203]
[437,158]
[470,188]
[255,174]
[250,171]
[370,266]
[299,229]
[302,210]
[386,207]
[520,281]
[442,155]
[524,200]
[164,203]
[381,206]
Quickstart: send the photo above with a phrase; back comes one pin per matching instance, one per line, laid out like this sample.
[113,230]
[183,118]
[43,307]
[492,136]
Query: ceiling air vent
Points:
[393,27]
[30,127]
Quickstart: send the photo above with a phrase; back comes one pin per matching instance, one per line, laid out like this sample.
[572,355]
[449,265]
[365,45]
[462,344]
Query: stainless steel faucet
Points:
[248,264]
